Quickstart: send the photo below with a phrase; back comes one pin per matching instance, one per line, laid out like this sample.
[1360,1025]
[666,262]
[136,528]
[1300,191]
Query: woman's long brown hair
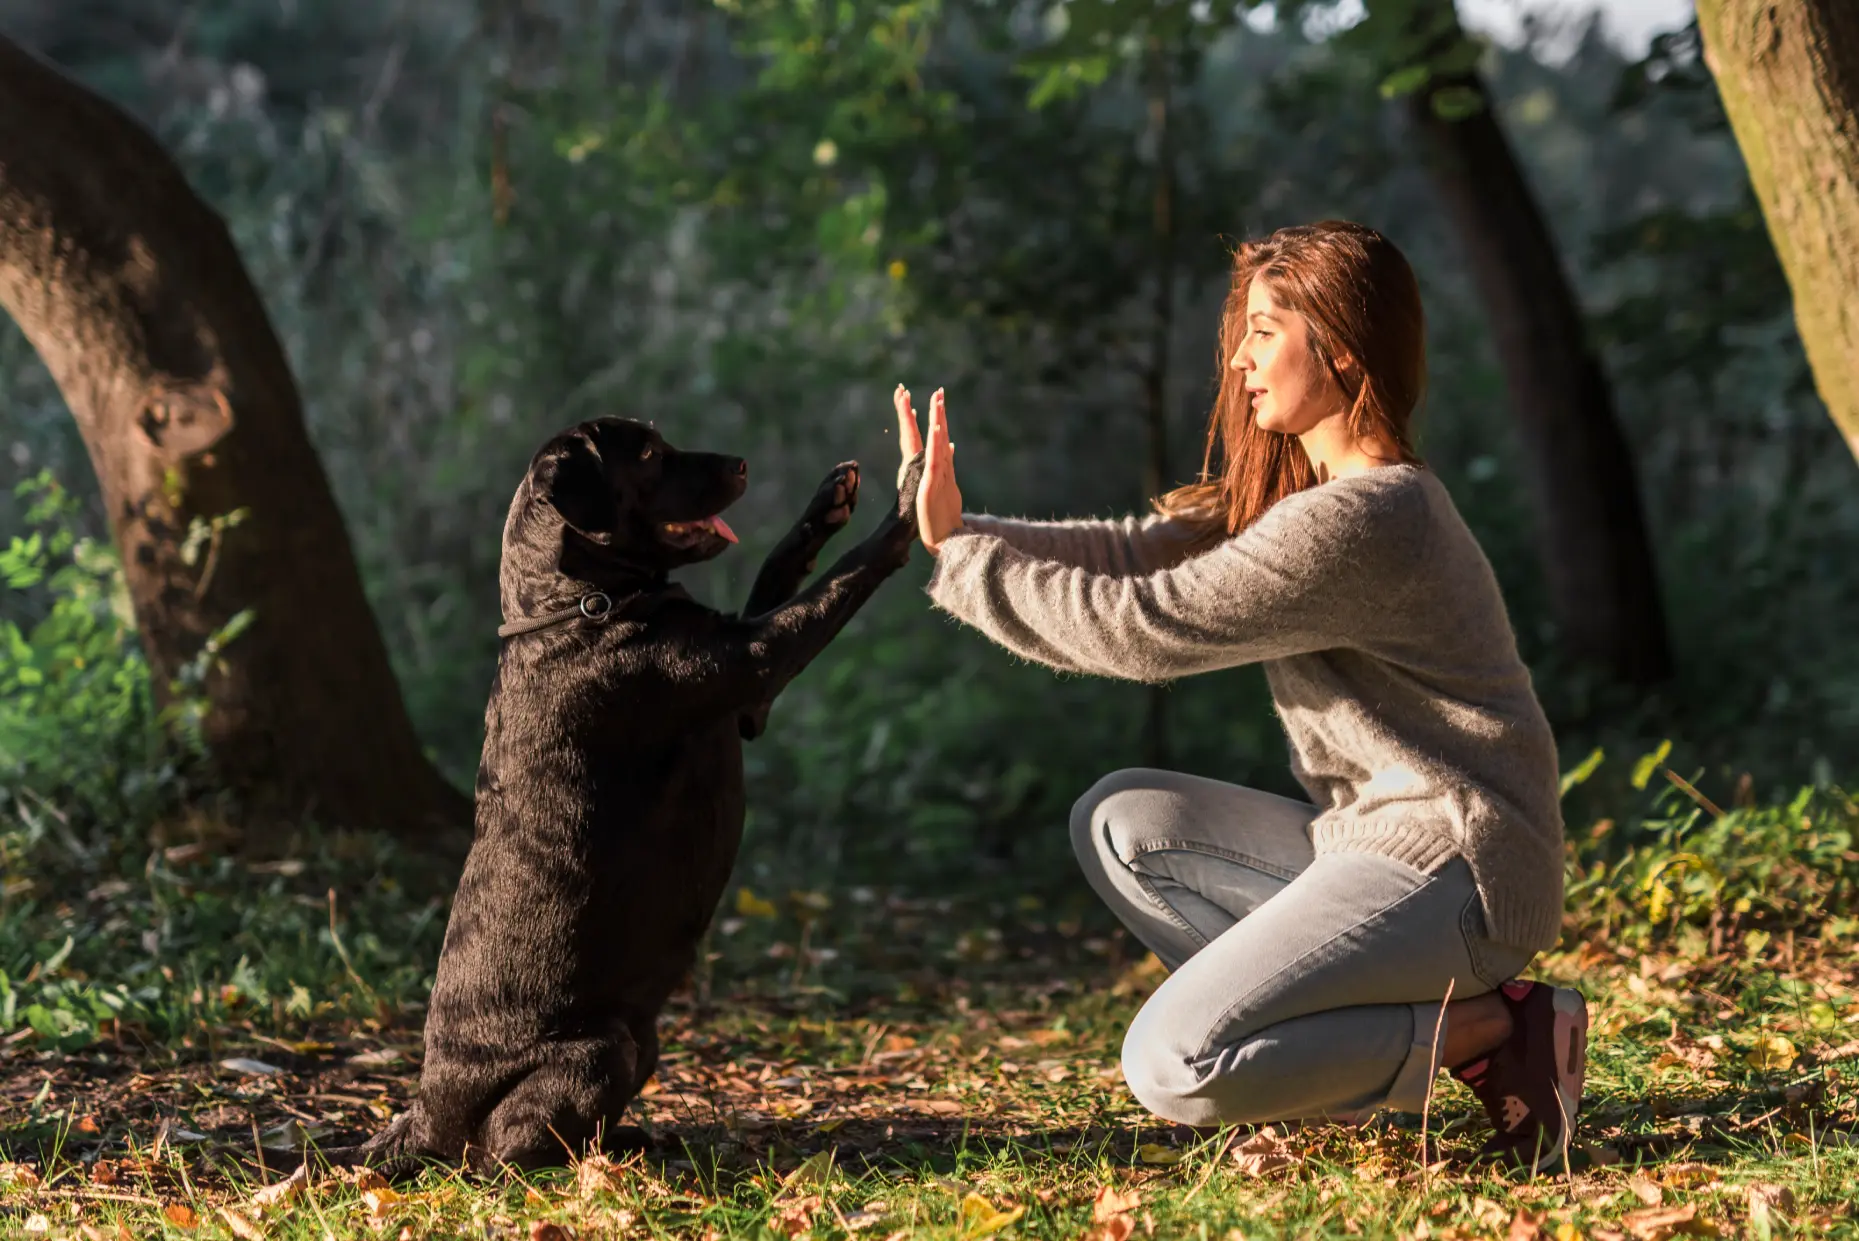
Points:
[1359,297]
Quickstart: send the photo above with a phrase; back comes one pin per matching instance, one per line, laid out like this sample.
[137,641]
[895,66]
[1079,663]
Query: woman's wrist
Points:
[933,544]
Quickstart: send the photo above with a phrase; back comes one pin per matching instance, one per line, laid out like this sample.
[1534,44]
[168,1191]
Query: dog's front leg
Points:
[780,643]
[714,666]
[794,558]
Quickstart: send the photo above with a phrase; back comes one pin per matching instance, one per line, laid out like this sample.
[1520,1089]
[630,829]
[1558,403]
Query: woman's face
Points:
[1291,390]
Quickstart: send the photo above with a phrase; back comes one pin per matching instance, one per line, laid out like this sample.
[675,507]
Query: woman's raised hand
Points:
[909,438]
[939,500]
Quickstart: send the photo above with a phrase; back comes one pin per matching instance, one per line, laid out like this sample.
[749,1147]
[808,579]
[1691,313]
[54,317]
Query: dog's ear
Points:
[572,480]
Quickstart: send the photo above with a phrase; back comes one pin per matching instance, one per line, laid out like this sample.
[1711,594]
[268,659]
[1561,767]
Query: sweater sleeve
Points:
[1318,571]
[1124,547]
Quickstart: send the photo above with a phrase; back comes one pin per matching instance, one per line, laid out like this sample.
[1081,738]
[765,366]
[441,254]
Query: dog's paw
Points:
[832,505]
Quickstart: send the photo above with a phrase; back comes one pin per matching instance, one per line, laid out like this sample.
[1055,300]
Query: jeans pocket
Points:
[1492,963]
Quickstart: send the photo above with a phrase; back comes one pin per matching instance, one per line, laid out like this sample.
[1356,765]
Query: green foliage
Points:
[1684,871]
[125,941]
[81,740]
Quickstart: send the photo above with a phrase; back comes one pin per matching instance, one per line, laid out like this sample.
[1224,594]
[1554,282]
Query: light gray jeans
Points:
[1300,987]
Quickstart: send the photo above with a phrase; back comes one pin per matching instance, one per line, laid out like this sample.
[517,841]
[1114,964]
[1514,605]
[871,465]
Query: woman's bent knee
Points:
[1087,841]
[1163,1081]
[1180,1081]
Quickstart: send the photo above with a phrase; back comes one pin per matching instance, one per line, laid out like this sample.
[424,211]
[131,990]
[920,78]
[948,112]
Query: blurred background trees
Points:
[471,223]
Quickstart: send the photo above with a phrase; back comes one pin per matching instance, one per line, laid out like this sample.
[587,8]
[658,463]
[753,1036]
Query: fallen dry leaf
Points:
[1772,1052]
[180,1215]
[240,1226]
[596,1174]
[980,1218]
[1681,1049]
[1525,1227]
[1111,1201]
[1659,1223]
[1265,1153]
[249,1067]
[1687,1175]
[378,1202]
[1157,1154]
[796,1216]
[1375,1168]
[23,1175]
[816,1169]
[284,1190]
[1768,1201]
[1489,1214]
[1645,1191]
[91,1232]
[378,1059]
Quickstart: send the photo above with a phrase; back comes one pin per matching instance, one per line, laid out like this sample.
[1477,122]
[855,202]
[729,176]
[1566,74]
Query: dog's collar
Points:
[594,606]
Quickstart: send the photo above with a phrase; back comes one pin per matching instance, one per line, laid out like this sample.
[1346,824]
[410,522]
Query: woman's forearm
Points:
[1122,547]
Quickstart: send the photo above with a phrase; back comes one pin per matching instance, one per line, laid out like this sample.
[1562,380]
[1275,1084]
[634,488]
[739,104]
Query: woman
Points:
[1325,960]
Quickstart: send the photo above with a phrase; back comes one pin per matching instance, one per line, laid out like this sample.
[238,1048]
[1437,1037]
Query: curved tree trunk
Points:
[131,291]
[1789,78]
[1597,557]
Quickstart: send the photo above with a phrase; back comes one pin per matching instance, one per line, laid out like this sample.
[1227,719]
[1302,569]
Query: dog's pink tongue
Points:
[717,524]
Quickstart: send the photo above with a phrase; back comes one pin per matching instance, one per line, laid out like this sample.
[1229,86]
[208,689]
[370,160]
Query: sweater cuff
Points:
[952,546]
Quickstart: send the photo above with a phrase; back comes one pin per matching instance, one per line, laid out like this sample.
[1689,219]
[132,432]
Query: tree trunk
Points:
[131,291]
[1789,78]
[1598,561]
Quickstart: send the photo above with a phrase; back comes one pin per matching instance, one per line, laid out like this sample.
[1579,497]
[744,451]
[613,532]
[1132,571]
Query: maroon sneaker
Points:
[1531,1086]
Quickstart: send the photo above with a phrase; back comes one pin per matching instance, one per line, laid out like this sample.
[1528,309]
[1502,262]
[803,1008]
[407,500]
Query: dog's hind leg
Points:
[632,1061]
[577,1096]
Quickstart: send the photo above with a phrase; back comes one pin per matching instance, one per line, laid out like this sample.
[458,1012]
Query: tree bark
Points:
[1788,74]
[130,289]
[1597,558]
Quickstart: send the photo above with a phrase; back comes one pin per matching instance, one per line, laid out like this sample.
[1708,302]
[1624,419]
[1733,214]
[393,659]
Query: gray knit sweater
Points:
[1391,660]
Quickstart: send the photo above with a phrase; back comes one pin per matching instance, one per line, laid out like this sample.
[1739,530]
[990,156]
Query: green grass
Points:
[872,1062]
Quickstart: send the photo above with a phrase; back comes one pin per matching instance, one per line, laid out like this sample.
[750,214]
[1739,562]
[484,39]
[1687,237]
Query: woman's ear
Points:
[571,479]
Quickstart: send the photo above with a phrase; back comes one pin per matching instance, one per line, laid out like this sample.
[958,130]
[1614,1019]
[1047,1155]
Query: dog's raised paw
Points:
[837,497]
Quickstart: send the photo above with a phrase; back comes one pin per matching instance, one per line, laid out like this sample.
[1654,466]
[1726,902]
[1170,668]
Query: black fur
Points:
[609,798]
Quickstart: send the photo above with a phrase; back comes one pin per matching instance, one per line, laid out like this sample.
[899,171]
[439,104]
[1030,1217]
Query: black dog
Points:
[609,799]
